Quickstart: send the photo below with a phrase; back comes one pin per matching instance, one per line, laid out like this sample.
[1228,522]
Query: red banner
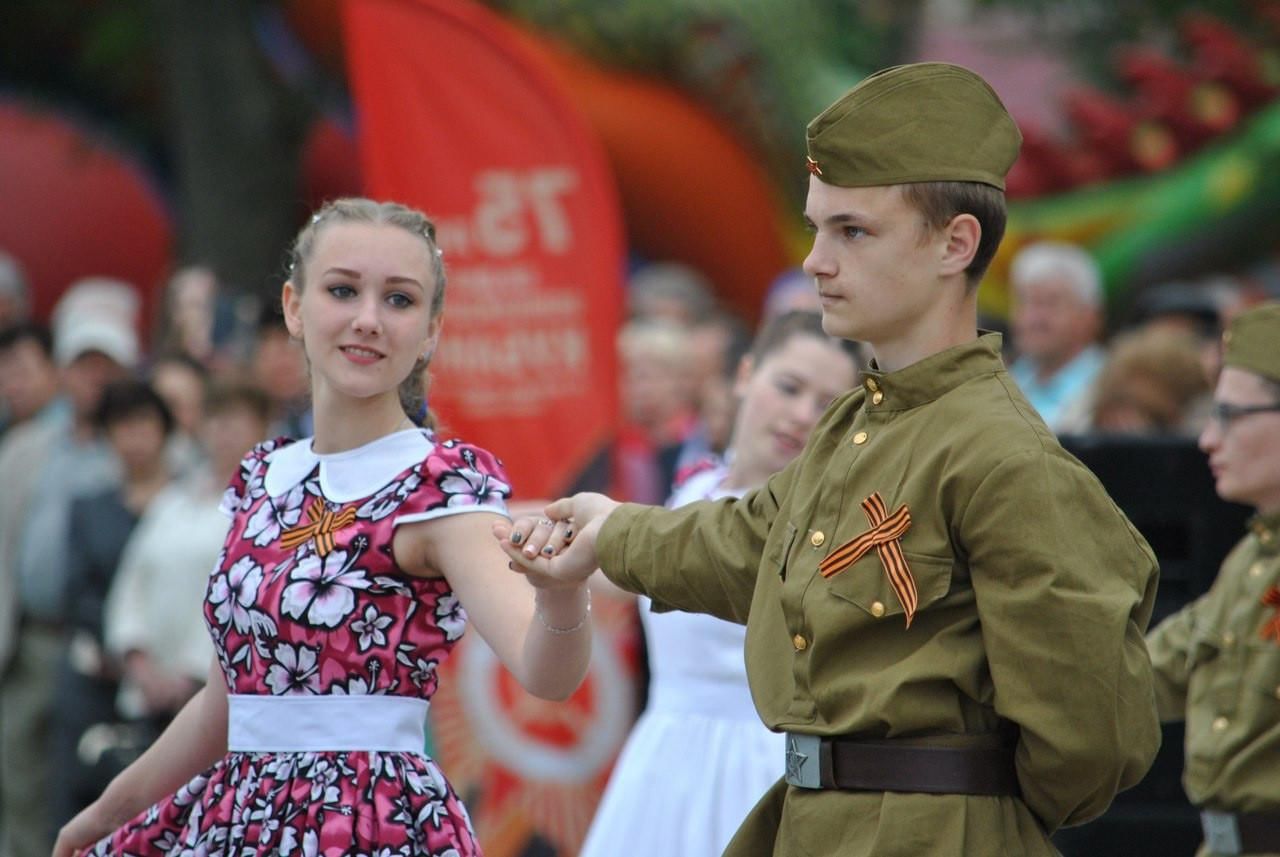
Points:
[457,118]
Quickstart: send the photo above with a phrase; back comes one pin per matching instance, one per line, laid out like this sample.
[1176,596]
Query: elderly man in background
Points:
[1057,316]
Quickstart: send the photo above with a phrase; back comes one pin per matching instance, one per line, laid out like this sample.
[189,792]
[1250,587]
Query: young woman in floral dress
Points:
[341,588]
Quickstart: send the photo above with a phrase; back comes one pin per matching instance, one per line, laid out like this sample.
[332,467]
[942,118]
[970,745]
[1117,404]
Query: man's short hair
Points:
[1058,259]
[27,331]
[939,202]
[131,397]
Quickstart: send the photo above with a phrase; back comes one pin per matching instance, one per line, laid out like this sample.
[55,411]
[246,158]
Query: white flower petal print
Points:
[450,616]
[355,686]
[467,487]
[322,591]
[294,670]
[389,498]
[262,527]
[232,593]
[275,516]
[422,671]
[371,628]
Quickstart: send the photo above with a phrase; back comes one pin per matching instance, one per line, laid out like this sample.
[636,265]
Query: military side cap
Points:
[915,123]
[1252,341]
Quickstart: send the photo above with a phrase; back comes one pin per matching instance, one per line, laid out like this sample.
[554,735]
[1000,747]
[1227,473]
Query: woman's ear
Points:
[433,337]
[291,303]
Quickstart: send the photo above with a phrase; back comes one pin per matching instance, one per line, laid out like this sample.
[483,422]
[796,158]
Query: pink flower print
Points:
[323,589]
[390,497]
[294,670]
[371,628]
[275,516]
[450,616]
[467,486]
[234,593]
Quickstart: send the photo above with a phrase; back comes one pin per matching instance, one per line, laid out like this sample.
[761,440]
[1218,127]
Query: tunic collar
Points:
[352,474]
[934,376]
[1267,530]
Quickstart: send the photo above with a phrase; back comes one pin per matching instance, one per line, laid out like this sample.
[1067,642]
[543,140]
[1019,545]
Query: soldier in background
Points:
[1217,661]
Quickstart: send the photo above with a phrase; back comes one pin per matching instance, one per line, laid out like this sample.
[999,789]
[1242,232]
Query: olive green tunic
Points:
[1033,590]
[1217,664]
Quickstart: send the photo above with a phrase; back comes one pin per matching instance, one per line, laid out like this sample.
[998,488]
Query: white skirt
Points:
[683,784]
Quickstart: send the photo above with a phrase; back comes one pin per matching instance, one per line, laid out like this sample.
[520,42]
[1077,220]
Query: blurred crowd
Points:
[113,459]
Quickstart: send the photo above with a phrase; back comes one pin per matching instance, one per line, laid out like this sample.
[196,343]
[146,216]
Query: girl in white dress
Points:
[699,758]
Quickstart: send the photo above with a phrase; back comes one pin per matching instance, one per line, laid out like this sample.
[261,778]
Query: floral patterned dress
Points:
[307,599]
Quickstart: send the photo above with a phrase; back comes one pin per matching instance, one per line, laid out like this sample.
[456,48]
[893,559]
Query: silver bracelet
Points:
[586,614]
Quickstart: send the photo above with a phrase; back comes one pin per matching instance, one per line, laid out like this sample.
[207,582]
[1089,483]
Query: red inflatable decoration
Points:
[74,207]
[691,191]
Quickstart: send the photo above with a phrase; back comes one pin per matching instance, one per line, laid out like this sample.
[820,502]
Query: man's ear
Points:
[291,303]
[963,234]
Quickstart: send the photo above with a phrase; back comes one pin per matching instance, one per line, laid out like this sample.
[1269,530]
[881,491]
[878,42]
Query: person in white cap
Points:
[95,341]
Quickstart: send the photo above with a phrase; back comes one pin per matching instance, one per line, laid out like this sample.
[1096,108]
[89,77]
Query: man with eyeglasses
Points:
[1217,661]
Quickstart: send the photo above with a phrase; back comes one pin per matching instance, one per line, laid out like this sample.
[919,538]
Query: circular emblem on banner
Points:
[564,742]
[532,769]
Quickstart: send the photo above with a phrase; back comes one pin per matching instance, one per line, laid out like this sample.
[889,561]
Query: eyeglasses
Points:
[1225,413]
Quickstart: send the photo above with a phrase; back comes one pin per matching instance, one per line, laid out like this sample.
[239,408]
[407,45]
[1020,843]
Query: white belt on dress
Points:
[297,723]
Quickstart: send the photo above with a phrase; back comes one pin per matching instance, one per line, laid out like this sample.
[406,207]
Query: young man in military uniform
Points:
[1217,661]
[944,610]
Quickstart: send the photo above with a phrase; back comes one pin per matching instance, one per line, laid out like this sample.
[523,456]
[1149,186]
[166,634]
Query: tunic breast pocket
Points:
[1262,674]
[776,561]
[870,587]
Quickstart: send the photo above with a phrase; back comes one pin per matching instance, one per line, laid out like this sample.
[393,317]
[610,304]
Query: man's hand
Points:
[558,549]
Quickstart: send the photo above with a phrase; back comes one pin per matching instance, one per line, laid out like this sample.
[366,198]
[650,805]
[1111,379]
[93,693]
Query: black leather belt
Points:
[897,766]
[1241,832]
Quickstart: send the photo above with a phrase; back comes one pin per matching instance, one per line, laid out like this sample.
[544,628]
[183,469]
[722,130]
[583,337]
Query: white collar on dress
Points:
[349,475]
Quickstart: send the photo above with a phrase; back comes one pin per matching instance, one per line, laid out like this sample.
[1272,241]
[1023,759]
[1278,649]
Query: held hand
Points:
[559,549]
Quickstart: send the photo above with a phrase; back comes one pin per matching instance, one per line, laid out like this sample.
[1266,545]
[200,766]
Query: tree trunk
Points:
[235,133]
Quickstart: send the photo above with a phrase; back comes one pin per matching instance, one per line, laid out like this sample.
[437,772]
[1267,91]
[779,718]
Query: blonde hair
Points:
[362,210]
